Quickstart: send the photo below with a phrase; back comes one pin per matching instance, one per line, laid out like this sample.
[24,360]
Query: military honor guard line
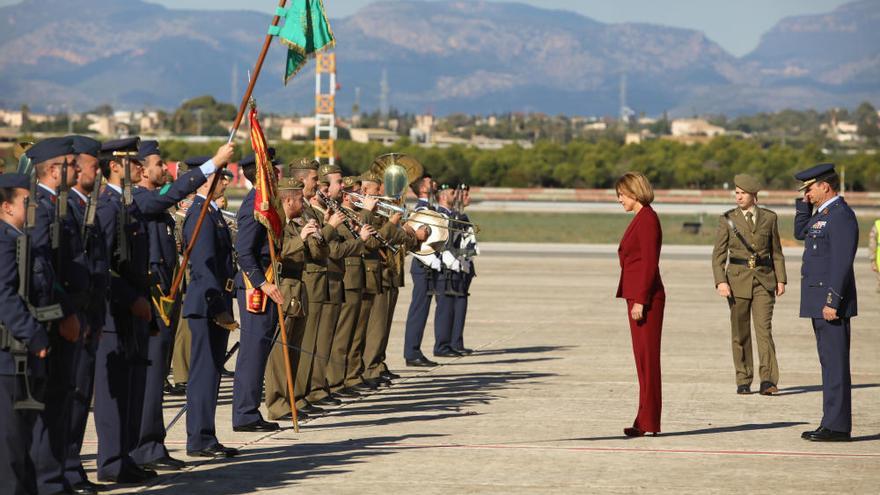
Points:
[91,240]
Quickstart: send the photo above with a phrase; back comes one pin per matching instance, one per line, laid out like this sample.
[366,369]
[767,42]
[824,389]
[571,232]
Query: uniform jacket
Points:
[94,257]
[251,244]
[294,252]
[342,245]
[14,313]
[831,238]
[212,272]
[763,238]
[131,279]
[71,289]
[163,245]
[315,276]
[346,262]
[639,254]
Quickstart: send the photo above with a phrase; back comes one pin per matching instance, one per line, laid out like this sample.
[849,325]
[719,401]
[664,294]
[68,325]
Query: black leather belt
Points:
[288,271]
[752,262]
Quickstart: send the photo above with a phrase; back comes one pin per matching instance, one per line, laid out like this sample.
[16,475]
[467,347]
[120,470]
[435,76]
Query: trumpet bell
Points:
[437,224]
[398,171]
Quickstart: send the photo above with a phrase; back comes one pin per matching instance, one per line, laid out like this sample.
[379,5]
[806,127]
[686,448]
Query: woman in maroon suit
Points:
[642,288]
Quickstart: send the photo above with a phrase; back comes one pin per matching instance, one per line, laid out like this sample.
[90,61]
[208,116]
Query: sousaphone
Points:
[397,171]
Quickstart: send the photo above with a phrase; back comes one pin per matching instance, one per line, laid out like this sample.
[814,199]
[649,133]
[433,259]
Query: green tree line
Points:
[583,164]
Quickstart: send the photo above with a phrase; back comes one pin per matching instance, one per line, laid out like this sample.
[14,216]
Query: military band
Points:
[103,248]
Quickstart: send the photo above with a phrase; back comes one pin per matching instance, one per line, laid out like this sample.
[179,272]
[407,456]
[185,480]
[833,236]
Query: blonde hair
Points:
[637,186]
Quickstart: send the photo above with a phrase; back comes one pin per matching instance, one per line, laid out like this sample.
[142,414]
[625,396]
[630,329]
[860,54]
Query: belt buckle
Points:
[230,284]
[752,262]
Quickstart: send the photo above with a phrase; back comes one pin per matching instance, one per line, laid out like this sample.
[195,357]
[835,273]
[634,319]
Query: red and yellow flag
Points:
[265,210]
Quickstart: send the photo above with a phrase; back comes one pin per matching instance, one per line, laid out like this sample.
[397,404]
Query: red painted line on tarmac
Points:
[640,450]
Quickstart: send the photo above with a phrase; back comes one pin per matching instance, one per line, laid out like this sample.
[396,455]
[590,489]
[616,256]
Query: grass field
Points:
[606,228]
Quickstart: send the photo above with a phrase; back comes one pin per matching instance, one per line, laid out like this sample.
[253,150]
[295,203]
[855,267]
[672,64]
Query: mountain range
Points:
[443,57]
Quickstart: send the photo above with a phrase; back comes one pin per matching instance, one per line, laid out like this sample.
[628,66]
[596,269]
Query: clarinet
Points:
[351,218]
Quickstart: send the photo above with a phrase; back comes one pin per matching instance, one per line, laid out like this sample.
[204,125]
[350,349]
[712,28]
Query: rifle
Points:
[60,210]
[91,209]
[123,250]
[43,314]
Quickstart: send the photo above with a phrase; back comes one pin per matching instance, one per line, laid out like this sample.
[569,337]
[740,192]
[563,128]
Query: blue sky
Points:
[737,25]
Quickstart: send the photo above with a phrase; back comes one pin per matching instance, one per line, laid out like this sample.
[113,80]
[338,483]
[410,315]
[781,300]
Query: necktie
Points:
[749,219]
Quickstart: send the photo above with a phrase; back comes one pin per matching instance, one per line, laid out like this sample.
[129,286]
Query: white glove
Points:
[435,264]
[448,259]
[456,266]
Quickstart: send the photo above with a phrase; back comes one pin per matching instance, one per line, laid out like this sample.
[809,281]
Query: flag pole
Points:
[288,369]
[178,278]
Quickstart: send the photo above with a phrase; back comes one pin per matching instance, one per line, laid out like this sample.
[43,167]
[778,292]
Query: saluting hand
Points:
[224,154]
[272,291]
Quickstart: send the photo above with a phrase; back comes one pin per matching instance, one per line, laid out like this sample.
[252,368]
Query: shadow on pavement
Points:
[437,396]
[265,467]
[818,388]
[705,431]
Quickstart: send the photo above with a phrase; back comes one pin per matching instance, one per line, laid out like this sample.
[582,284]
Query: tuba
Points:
[397,171]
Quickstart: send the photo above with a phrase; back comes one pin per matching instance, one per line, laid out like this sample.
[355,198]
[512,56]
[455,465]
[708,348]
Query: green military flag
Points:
[305,32]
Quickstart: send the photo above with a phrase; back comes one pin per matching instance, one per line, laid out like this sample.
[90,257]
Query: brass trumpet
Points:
[388,209]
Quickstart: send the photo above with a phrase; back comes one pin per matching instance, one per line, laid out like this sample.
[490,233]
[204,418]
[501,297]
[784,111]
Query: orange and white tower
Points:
[325,108]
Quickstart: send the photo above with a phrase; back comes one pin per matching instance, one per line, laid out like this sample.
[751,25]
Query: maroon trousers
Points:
[646,349]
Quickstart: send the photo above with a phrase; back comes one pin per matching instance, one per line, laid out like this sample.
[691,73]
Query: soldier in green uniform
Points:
[749,270]
[298,243]
[315,280]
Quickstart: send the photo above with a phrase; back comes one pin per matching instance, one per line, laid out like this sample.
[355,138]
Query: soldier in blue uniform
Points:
[466,250]
[56,237]
[447,283]
[121,357]
[208,310]
[830,233]
[424,270]
[16,422]
[255,281]
[82,203]
[150,452]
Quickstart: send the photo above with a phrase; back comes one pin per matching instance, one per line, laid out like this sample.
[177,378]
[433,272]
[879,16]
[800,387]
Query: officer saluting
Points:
[208,309]
[749,270]
[23,341]
[830,233]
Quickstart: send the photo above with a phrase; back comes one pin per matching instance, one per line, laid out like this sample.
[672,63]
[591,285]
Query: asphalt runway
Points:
[541,406]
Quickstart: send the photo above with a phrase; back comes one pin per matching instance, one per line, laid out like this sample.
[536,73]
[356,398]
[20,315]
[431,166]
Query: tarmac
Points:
[540,407]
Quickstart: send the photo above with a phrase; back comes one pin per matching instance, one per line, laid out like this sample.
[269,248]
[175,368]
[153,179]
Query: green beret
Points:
[370,177]
[304,164]
[349,182]
[747,183]
[329,169]
[290,184]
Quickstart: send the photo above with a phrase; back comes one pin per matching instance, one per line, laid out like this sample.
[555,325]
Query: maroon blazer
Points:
[639,254]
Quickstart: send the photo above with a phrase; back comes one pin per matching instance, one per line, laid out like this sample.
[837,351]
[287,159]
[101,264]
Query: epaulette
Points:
[728,212]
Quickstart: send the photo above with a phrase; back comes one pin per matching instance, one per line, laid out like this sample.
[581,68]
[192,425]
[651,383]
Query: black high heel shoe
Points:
[635,432]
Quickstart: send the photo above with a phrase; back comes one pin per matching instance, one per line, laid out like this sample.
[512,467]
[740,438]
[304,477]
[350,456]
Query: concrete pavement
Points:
[541,406]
